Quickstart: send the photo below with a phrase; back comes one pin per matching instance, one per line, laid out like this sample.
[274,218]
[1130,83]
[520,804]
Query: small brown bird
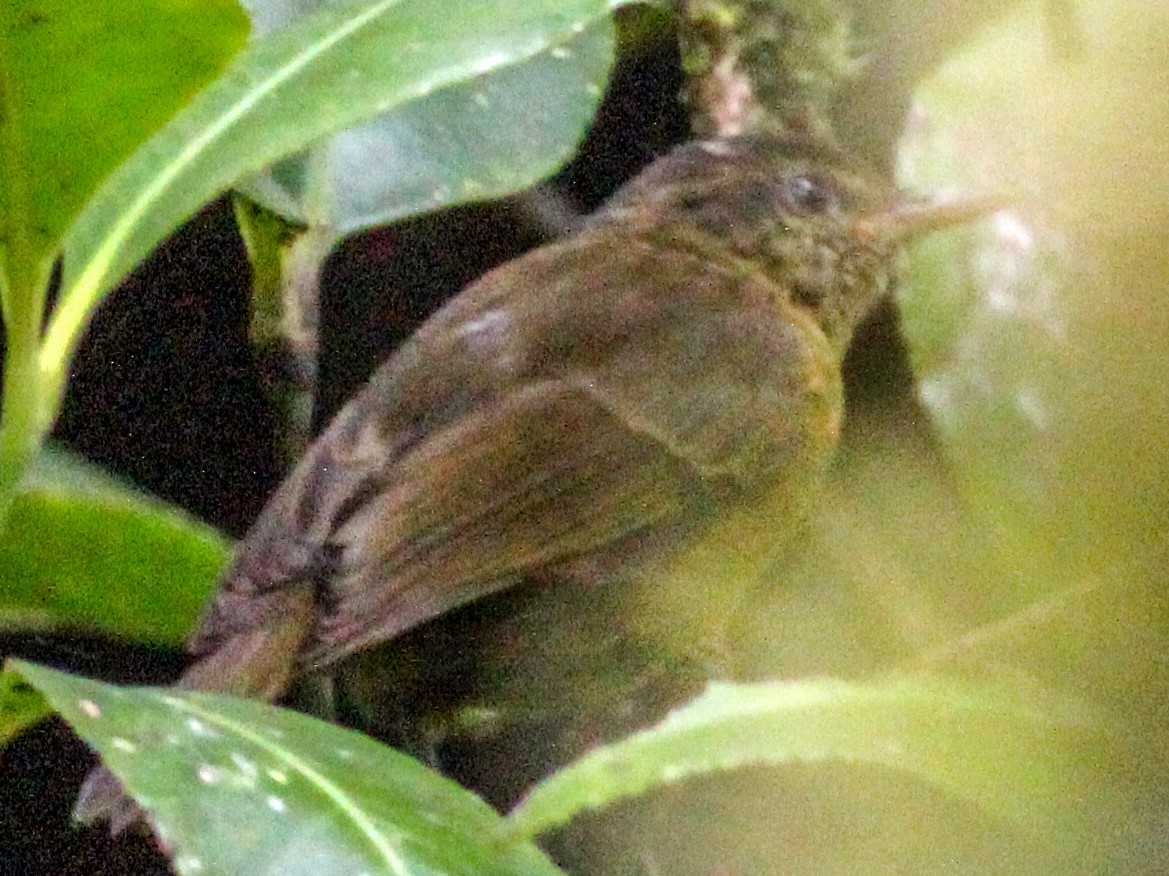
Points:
[577,416]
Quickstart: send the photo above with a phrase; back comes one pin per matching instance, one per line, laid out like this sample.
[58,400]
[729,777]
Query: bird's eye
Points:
[810,193]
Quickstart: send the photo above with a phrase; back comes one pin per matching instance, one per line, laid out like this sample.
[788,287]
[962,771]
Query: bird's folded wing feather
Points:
[625,411]
[543,476]
[517,431]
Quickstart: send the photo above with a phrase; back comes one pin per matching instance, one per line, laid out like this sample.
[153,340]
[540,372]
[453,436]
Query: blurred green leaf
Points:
[1039,340]
[316,76]
[82,548]
[86,83]
[20,704]
[237,786]
[488,135]
[1016,759]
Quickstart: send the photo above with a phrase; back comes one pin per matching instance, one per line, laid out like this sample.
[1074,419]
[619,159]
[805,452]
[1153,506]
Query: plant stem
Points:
[763,65]
[23,420]
[24,278]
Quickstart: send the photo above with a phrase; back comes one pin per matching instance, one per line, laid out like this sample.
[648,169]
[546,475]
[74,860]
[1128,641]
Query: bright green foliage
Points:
[20,704]
[83,550]
[236,786]
[318,75]
[281,94]
[483,136]
[84,84]
[1010,757]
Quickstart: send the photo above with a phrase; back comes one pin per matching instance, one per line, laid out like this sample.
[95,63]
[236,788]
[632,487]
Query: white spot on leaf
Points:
[246,766]
[200,729]
[89,708]
[1030,402]
[1009,226]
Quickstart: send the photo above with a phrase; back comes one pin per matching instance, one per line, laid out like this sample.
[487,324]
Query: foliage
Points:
[1037,341]
[295,795]
[272,100]
[82,549]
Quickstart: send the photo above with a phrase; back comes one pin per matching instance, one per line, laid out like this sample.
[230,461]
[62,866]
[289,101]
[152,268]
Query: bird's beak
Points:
[907,218]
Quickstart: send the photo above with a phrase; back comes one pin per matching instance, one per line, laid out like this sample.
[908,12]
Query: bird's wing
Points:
[628,405]
[545,475]
[623,392]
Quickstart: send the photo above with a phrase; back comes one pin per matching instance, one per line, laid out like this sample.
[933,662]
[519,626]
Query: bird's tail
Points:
[258,663]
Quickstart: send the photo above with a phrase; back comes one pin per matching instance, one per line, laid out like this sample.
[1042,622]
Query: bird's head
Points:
[825,229]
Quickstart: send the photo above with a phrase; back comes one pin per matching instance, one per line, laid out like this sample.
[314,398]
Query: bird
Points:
[567,429]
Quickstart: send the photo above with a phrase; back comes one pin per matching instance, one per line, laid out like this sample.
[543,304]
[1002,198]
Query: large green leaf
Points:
[486,136]
[83,549]
[237,786]
[343,64]
[1017,759]
[85,83]
[1040,343]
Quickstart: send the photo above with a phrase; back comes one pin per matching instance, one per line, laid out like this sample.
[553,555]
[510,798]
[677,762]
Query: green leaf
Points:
[1013,758]
[1039,342]
[345,63]
[485,136]
[20,705]
[86,83]
[237,786]
[82,548]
